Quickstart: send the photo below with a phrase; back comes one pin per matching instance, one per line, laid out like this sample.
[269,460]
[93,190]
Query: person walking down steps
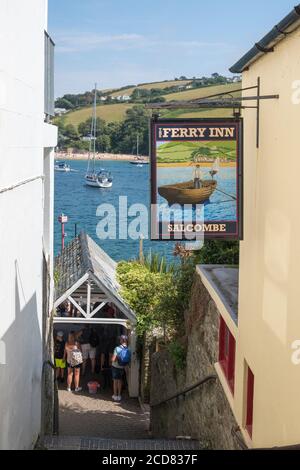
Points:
[59,350]
[120,361]
[73,355]
[89,341]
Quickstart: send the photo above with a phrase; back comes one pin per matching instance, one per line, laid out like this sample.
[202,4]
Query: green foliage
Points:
[112,137]
[219,252]
[178,354]
[63,103]
[84,128]
[158,294]
[143,291]
[56,277]
[156,263]
[70,132]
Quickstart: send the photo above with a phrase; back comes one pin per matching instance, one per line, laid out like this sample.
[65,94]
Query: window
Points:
[49,76]
[249,403]
[227,353]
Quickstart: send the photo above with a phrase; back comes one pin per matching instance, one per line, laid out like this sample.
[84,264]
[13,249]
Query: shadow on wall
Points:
[20,374]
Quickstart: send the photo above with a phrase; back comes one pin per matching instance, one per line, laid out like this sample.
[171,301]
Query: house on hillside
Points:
[60,111]
[181,87]
[27,141]
[122,98]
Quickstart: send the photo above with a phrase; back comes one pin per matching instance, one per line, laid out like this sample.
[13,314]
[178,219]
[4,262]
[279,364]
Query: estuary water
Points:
[80,202]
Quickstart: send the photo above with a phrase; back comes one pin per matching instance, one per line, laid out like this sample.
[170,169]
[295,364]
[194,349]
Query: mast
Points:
[90,144]
[137,144]
[95,127]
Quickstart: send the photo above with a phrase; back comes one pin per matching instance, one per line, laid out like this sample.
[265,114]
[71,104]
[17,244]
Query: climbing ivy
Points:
[178,354]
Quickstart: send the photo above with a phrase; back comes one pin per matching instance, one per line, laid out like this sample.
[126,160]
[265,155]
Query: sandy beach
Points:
[99,156]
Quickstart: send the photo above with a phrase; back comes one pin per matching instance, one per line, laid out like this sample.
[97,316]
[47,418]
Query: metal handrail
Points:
[185,391]
[235,433]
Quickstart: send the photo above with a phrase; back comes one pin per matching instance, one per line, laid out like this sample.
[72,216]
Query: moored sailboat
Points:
[94,178]
[138,160]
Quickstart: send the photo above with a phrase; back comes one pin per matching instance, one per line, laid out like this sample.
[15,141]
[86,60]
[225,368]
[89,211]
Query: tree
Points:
[159,294]
[201,152]
[84,128]
[63,103]
[71,132]
[103,143]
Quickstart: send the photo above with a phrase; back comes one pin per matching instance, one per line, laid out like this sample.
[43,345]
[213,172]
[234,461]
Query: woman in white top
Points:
[73,371]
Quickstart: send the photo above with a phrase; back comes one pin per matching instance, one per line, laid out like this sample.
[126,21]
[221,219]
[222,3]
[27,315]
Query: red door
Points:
[227,353]
[250,399]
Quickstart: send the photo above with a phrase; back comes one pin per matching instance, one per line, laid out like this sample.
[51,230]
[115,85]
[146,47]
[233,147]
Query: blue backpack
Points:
[124,356]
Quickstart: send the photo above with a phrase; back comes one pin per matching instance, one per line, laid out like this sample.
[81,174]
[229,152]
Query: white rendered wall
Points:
[23,136]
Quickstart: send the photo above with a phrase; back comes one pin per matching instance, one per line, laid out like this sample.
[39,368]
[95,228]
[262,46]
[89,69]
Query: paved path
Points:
[98,416]
[84,443]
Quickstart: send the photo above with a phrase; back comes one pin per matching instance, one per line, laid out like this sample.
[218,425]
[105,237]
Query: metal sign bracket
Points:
[218,101]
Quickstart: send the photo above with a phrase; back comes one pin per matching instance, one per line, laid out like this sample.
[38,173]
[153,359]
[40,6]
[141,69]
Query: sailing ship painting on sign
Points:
[196,164]
[100,178]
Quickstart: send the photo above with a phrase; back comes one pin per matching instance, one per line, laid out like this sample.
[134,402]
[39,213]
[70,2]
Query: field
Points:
[181,152]
[116,112]
[200,113]
[109,112]
[202,92]
[149,86]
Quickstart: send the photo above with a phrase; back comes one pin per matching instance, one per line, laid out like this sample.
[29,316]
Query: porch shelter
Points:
[86,277]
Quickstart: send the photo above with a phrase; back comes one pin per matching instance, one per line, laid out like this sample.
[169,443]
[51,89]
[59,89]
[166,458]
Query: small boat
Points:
[186,193]
[63,167]
[138,160]
[96,178]
[102,179]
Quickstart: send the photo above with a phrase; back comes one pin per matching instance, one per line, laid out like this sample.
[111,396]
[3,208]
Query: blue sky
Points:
[120,42]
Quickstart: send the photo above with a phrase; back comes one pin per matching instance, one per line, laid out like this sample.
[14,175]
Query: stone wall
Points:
[148,349]
[204,413]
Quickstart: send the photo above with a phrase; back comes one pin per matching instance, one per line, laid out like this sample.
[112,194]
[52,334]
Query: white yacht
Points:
[62,167]
[96,178]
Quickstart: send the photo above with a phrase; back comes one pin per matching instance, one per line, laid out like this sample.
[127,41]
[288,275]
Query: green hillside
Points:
[182,152]
[202,92]
[109,112]
[117,112]
[154,86]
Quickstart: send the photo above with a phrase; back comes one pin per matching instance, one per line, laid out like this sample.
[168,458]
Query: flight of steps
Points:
[90,443]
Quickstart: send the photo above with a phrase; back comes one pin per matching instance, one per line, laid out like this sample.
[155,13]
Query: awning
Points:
[85,274]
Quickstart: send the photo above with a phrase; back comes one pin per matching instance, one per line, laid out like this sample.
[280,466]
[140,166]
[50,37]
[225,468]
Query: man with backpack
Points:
[120,360]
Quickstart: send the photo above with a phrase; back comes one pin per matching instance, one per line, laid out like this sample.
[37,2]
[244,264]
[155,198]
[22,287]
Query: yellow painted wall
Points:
[269,296]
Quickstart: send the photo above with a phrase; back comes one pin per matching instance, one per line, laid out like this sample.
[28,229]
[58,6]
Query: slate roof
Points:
[83,256]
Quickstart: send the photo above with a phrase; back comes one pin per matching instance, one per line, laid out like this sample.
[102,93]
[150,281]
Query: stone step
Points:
[90,443]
